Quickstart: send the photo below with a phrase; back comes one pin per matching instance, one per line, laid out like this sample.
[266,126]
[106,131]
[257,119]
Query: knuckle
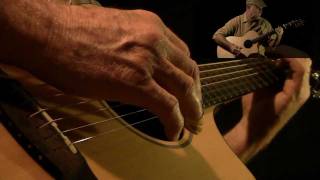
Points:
[187,87]
[138,72]
[185,49]
[194,67]
[142,76]
[175,109]
[172,114]
[308,62]
[149,16]
[152,16]
[154,36]
[172,104]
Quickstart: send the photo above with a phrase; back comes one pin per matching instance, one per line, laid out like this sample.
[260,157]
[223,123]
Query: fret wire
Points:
[246,75]
[205,80]
[254,81]
[242,81]
[206,95]
[228,62]
[221,76]
[231,68]
[234,63]
[210,84]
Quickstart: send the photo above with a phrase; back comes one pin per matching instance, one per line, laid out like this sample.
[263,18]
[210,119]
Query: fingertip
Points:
[175,124]
[172,135]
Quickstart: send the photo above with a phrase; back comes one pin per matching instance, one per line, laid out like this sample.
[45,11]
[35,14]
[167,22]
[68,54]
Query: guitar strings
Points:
[64,106]
[238,77]
[108,131]
[107,120]
[113,130]
[203,78]
[227,61]
[102,109]
[104,121]
[154,117]
[252,64]
[106,108]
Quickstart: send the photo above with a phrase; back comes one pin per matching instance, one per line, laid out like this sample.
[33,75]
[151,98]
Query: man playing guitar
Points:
[252,21]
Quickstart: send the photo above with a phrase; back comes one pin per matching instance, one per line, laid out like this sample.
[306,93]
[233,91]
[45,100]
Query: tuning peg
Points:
[316,75]
[315,84]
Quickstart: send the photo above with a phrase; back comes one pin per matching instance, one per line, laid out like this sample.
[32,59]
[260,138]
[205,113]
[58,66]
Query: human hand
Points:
[263,109]
[236,50]
[279,30]
[122,55]
[278,34]
[266,111]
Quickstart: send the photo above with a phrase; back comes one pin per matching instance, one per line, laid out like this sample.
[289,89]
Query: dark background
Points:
[294,152]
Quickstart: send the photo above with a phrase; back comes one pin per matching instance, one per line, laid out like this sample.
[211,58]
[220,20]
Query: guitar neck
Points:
[262,37]
[294,23]
[224,81]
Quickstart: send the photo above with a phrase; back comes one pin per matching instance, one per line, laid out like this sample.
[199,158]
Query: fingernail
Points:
[173,133]
[198,99]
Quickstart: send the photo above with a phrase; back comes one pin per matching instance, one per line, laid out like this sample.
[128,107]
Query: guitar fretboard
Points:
[227,80]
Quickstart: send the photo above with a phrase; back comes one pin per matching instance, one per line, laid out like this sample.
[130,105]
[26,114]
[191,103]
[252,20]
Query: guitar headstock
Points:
[315,84]
[294,24]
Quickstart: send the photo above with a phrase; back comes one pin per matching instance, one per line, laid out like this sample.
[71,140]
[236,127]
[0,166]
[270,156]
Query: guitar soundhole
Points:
[140,119]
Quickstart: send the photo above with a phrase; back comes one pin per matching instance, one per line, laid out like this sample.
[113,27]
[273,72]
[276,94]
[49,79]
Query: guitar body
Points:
[254,49]
[119,151]
[15,163]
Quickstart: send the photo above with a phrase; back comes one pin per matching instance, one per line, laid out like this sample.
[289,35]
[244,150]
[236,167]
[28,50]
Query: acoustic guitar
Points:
[46,134]
[251,41]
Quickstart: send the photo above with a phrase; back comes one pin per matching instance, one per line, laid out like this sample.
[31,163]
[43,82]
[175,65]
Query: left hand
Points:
[275,38]
[279,30]
[266,111]
[278,33]
[262,110]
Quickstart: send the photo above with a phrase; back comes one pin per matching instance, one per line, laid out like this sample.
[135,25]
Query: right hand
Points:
[122,55]
[236,50]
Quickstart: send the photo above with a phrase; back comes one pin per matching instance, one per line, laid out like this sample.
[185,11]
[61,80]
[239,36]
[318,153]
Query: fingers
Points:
[159,101]
[175,92]
[177,73]
[279,30]
[236,50]
[298,83]
[186,89]
[184,83]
